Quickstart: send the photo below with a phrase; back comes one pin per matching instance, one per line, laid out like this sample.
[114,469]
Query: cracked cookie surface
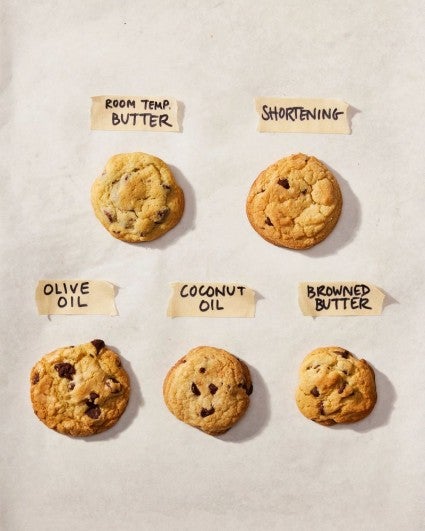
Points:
[137,198]
[335,387]
[295,202]
[80,390]
[209,389]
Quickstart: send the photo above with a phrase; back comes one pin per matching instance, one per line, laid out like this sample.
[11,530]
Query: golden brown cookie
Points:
[295,202]
[137,198]
[208,389]
[335,387]
[80,390]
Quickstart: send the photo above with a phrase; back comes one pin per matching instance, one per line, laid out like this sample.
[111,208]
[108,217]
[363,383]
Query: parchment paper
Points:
[275,469]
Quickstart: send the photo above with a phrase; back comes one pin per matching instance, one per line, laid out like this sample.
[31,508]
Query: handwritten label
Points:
[75,297]
[289,115]
[134,113]
[211,300]
[318,299]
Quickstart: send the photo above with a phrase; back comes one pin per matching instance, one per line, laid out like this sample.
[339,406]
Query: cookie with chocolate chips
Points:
[335,387]
[208,389]
[137,198]
[80,390]
[295,202]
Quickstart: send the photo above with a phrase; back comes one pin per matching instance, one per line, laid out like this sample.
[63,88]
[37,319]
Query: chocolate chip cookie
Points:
[208,389]
[80,390]
[137,198]
[295,202]
[335,387]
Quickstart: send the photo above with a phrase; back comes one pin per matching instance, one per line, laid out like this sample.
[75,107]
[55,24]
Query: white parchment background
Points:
[275,469]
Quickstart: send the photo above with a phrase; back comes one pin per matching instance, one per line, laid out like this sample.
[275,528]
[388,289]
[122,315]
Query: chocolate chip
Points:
[195,389]
[98,344]
[284,183]
[113,384]
[108,215]
[65,370]
[342,387]
[207,412]
[202,370]
[166,187]
[93,412]
[213,388]
[321,409]
[303,192]
[268,222]
[315,392]
[36,378]
[90,401]
[345,354]
[71,386]
[161,214]
[248,390]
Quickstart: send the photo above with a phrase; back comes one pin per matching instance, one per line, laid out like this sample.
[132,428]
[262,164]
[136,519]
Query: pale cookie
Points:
[137,198]
[335,387]
[80,390]
[295,202]
[208,389]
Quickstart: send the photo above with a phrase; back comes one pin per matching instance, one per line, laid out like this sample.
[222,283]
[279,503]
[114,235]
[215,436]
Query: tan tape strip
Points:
[317,299]
[199,299]
[75,297]
[134,113]
[294,115]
